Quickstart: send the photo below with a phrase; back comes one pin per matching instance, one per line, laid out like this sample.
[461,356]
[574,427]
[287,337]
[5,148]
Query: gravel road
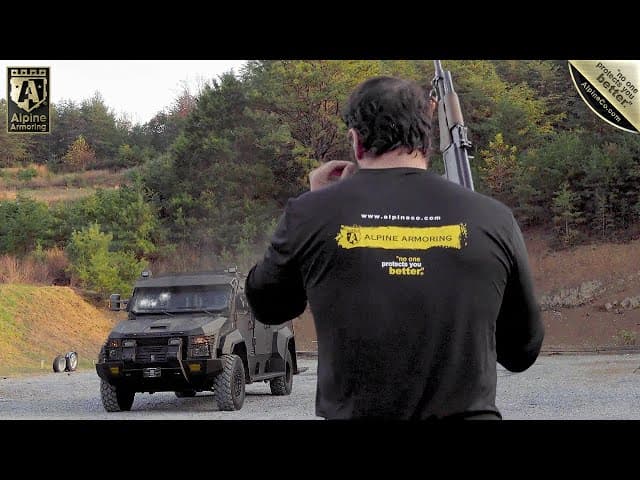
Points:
[557,387]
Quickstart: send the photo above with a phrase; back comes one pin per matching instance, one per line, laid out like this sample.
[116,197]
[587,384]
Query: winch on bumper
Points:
[155,364]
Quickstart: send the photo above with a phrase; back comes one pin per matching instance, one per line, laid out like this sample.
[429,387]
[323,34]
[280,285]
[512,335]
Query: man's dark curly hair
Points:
[389,113]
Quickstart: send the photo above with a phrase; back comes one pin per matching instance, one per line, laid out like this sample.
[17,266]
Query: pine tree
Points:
[79,155]
[567,215]
[501,169]
[602,219]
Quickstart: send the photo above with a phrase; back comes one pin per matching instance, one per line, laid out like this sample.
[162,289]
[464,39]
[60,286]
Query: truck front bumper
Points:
[161,377]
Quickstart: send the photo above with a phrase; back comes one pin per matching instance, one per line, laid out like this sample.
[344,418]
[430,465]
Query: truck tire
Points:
[116,399]
[71,359]
[59,364]
[228,386]
[186,394]
[283,385]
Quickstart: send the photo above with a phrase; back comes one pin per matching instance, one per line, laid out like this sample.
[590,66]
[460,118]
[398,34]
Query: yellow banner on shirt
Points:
[403,238]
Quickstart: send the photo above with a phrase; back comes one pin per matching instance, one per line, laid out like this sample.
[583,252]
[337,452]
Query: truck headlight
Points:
[128,343]
[114,354]
[175,341]
[198,346]
[113,350]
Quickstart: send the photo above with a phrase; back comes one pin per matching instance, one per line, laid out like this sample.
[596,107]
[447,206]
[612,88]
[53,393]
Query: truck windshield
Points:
[179,299]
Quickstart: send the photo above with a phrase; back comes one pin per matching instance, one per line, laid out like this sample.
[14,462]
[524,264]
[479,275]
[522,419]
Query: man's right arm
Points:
[519,328]
[274,286]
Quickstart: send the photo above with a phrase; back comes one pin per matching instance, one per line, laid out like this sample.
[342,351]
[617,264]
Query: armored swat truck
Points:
[189,333]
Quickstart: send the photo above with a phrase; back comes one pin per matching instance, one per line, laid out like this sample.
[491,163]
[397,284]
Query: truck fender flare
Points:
[230,341]
[283,337]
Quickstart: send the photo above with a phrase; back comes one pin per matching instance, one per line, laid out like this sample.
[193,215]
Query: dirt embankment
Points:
[37,323]
[602,282]
[590,295]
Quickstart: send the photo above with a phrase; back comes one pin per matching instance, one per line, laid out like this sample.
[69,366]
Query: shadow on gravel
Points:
[202,402]
[164,403]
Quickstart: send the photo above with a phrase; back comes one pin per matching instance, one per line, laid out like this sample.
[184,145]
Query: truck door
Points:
[246,324]
[264,337]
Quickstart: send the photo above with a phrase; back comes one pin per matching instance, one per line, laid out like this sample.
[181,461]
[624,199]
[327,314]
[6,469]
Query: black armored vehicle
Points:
[189,333]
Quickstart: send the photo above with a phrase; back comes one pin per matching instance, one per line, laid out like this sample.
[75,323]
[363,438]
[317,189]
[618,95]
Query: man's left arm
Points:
[274,286]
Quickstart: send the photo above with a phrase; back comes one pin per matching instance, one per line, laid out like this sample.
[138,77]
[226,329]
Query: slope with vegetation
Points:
[38,323]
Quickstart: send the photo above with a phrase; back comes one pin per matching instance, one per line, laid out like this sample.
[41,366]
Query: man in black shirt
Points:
[417,286]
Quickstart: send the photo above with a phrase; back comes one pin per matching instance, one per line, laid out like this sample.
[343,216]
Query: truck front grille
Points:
[151,353]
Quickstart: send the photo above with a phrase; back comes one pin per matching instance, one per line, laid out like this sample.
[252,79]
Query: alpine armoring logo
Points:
[28,105]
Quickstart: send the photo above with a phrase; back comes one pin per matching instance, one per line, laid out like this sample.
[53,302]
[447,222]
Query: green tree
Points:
[68,124]
[231,163]
[567,215]
[125,213]
[24,223]
[636,212]
[130,156]
[101,128]
[602,220]
[126,155]
[13,148]
[491,104]
[308,97]
[500,170]
[95,267]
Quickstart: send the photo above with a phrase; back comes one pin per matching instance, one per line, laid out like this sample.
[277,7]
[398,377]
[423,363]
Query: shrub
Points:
[14,269]
[40,267]
[626,337]
[27,174]
[55,262]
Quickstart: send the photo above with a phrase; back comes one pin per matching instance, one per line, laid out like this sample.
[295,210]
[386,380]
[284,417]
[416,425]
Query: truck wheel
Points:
[228,386]
[59,364]
[116,399]
[283,385]
[186,394]
[71,359]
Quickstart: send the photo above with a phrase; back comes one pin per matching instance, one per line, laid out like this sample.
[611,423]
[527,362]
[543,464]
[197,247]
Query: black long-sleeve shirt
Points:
[417,287]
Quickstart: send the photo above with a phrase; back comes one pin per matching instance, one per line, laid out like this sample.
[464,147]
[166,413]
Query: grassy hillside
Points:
[39,183]
[38,323]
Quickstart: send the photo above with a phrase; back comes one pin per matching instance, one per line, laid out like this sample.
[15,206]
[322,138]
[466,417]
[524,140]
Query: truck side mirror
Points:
[242,307]
[114,302]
